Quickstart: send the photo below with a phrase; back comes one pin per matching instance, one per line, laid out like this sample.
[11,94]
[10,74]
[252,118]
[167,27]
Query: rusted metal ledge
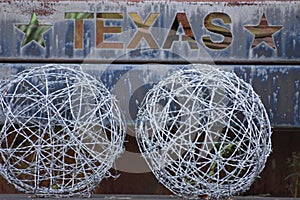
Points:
[133,197]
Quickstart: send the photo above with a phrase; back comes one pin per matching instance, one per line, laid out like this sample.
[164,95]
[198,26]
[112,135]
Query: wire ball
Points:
[62,131]
[204,132]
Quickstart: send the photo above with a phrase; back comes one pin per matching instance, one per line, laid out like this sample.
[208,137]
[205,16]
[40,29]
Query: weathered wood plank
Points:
[277,85]
[194,31]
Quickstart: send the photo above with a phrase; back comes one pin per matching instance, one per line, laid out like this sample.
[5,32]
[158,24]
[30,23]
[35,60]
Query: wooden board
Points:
[63,31]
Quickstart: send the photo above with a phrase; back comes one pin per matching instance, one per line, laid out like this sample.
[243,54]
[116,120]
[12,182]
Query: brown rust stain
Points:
[47,7]
[42,7]
[230,2]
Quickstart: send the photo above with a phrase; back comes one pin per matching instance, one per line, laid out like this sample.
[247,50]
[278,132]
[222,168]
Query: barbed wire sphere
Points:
[204,132]
[62,131]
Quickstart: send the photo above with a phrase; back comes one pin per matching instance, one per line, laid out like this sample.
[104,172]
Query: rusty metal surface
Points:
[134,197]
[272,181]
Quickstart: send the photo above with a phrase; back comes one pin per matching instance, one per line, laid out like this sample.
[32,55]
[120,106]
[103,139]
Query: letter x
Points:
[143,30]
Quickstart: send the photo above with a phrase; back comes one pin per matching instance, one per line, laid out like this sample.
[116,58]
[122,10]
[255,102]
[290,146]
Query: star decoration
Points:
[263,32]
[33,31]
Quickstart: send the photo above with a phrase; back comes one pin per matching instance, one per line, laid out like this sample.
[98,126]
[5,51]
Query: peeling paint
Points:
[284,43]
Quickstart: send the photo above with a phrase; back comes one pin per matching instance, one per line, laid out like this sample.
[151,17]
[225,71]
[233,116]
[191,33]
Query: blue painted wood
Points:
[278,86]
[59,40]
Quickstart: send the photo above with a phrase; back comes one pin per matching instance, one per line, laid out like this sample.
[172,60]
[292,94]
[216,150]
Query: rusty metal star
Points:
[263,32]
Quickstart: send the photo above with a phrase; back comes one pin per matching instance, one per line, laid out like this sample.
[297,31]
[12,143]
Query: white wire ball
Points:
[62,131]
[204,132]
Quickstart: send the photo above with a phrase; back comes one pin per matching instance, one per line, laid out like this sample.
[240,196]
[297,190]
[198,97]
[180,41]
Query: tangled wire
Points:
[62,131]
[204,131]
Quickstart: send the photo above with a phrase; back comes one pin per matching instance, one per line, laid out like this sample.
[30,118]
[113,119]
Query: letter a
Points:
[188,32]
